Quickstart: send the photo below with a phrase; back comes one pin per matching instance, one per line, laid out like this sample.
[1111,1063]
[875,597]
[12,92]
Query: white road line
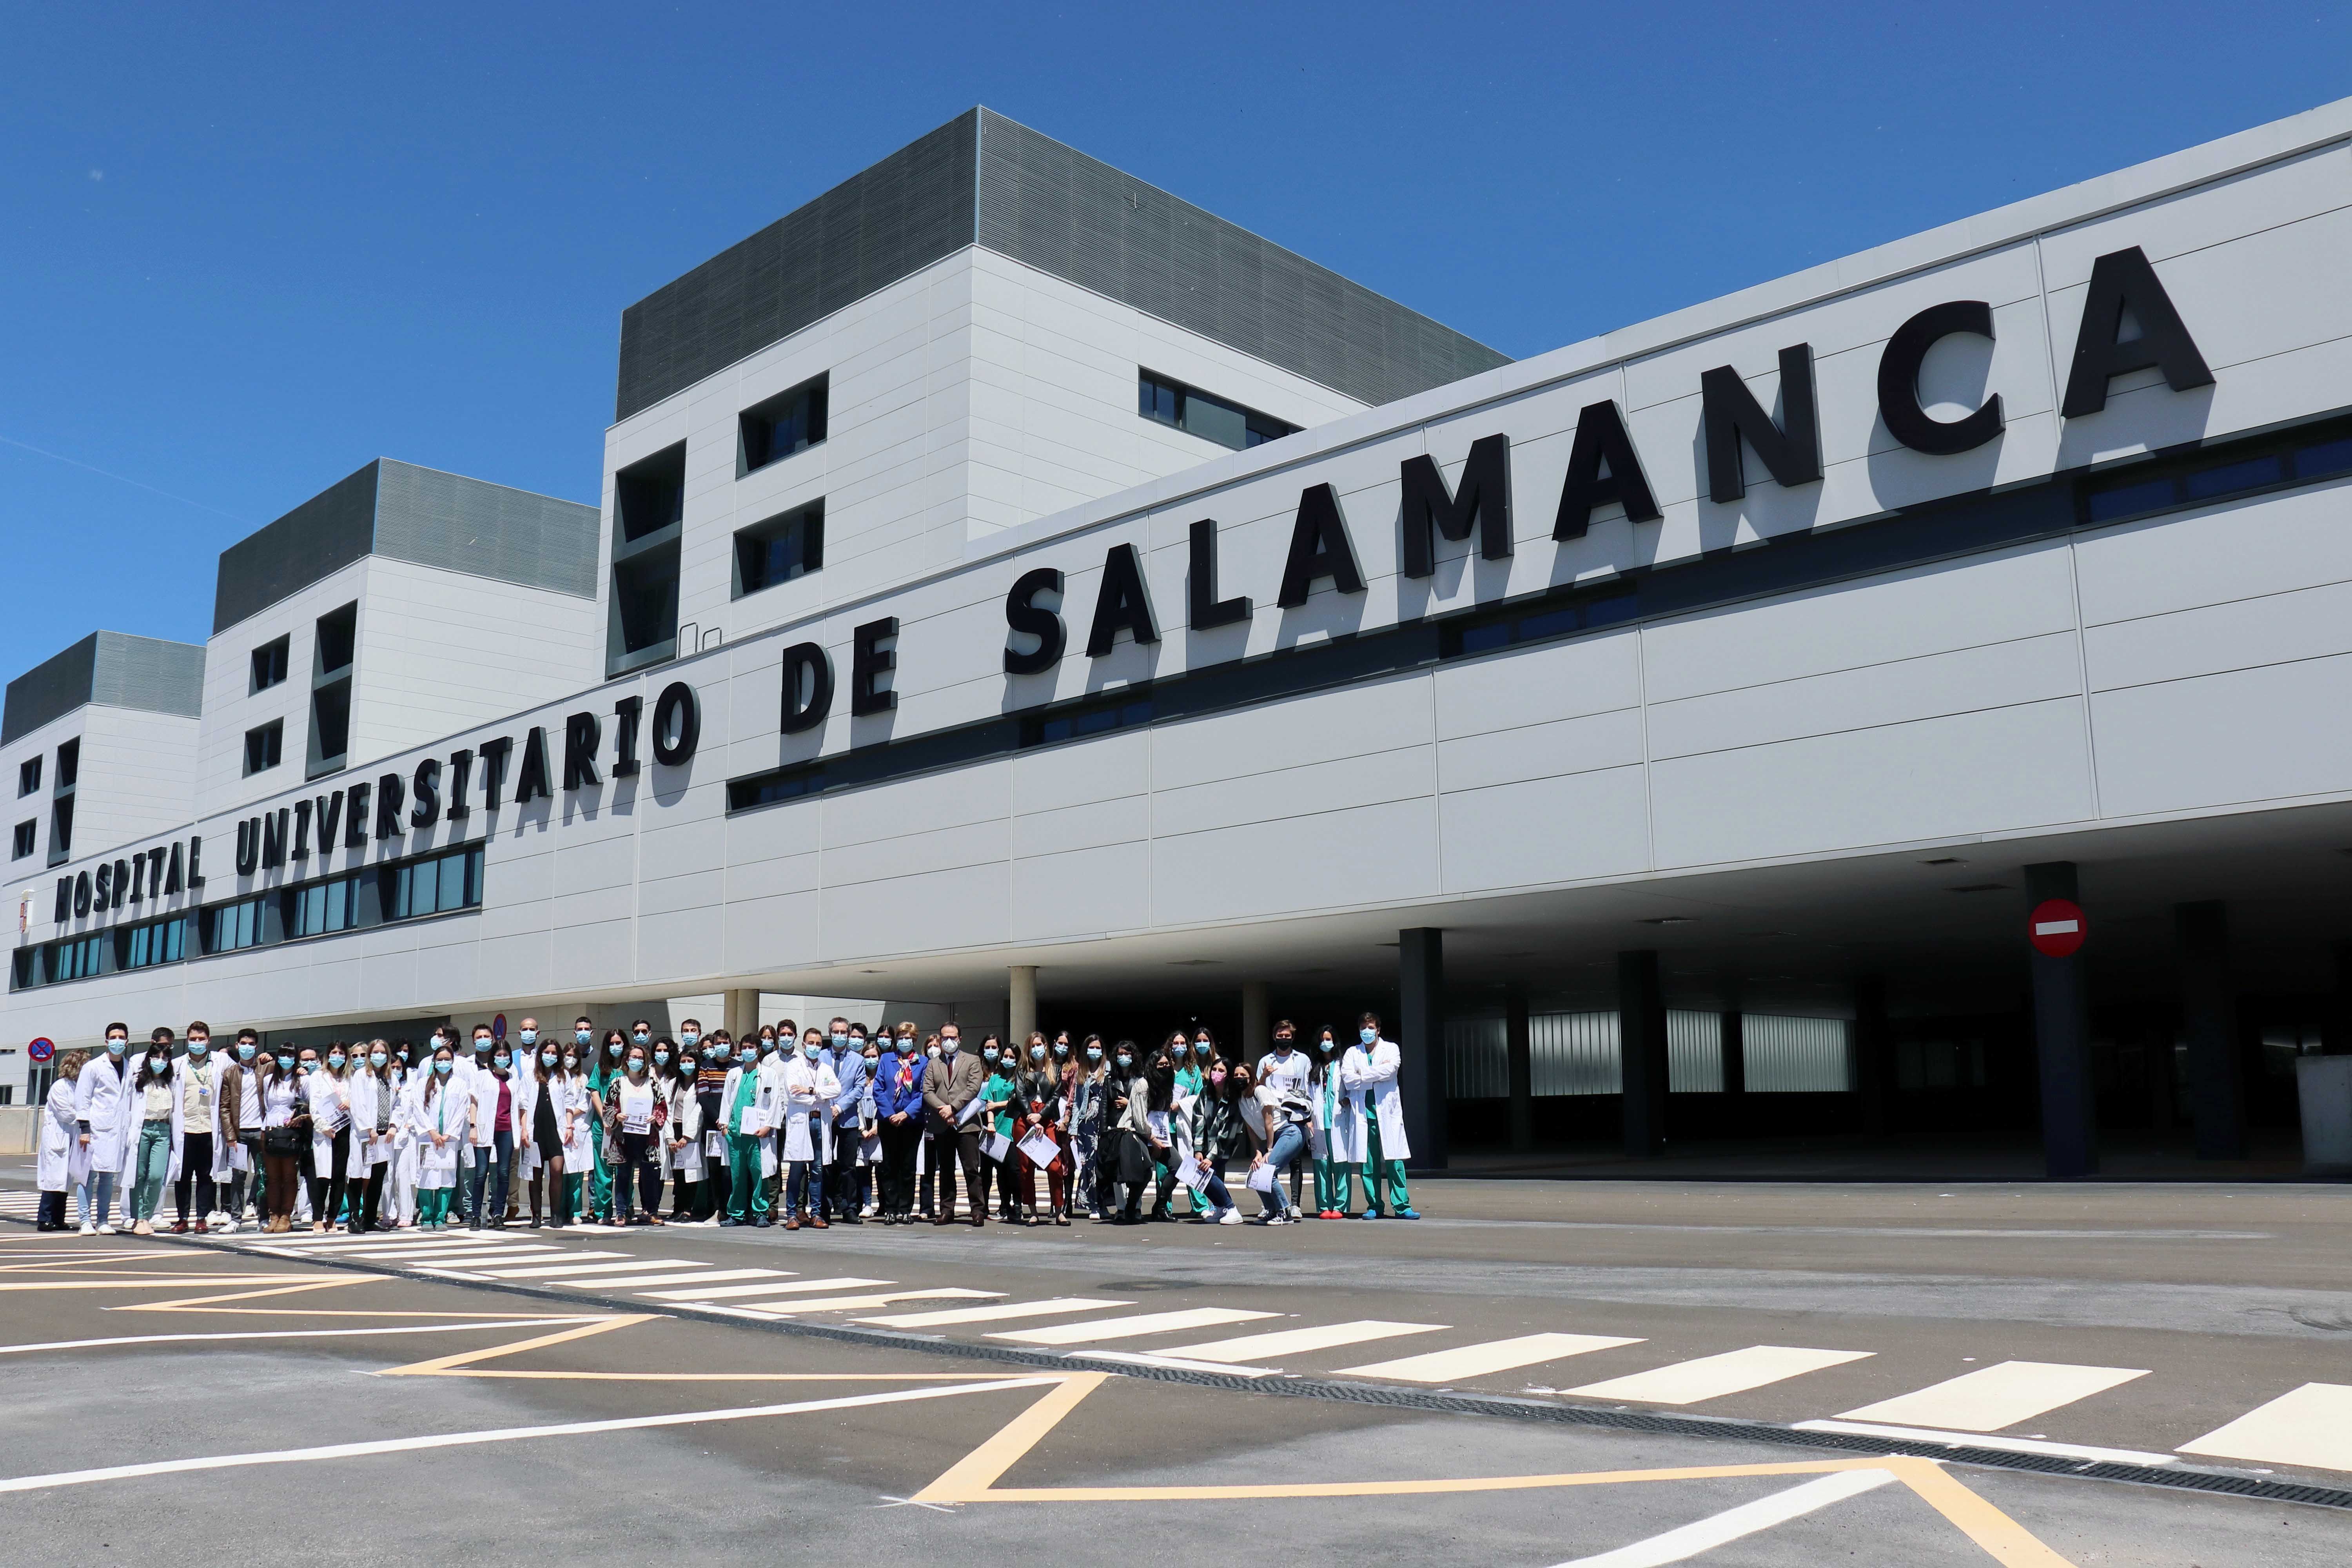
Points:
[715,1276]
[1482,1360]
[286,1334]
[579,1264]
[1992,1440]
[1683,1544]
[441,1261]
[1713,1376]
[498,1435]
[1299,1342]
[1131,1328]
[788,1308]
[1145,1358]
[728,1292]
[2311,1426]
[949,1316]
[412,1249]
[1992,1397]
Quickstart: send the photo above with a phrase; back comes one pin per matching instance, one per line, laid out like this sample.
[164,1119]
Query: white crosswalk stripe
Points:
[792,1305]
[1713,1376]
[1299,1342]
[1132,1327]
[1466,1362]
[579,1264]
[694,1294]
[672,1277]
[1992,1397]
[2311,1426]
[949,1317]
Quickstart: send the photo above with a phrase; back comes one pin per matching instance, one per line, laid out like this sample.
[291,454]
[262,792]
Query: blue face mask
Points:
[285,1064]
[691,1036]
[546,1058]
[1368,1036]
[1093,1053]
[336,1059]
[443,1067]
[244,1052]
[640,1036]
[377,1058]
[199,1048]
[501,1059]
[1037,1053]
[531,1037]
[1201,1047]
[613,1048]
[1061,1047]
[116,1047]
[988,1053]
[839,1040]
[718,1053]
[661,1059]
[1126,1061]
[580,1036]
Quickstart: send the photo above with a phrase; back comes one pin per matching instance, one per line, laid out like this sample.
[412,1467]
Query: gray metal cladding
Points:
[489,531]
[874,228]
[323,535]
[113,668]
[984,179]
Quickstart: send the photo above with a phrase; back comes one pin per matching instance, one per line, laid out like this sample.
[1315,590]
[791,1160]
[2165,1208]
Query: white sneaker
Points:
[1231,1216]
[106,1230]
[90,1230]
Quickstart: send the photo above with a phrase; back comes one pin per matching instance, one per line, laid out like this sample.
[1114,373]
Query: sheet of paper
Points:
[1041,1149]
[996,1145]
[1158,1120]
[971,1110]
[1189,1172]
[1261,1179]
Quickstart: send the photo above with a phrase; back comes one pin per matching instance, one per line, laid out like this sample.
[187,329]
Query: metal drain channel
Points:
[2221,1483]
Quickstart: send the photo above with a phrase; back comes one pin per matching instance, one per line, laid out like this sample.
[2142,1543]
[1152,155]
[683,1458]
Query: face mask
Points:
[840,1040]
[1061,1047]
[579,1037]
[482,1046]
[285,1064]
[116,1047]
[872,1057]
[662,1057]
[377,1058]
[640,1038]
[1200,1049]
[891,1046]
[1216,1075]
[988,1053]
[637,1067]
[571,1062]
[403,1056]
[687,1066]
[159,1065]
[439,1042]
[1093,1053]
[1368,1036]
[546,1058]
[1125,1061]
[1325,1045]
[244,1052]
[199,1048]
[1282,1047]
[949,1046]
[810,1047]
[691,1036]
[336,1061]
[718,1053]
[443,1067]
[613,1048]
[502,1061]
[1037,1053]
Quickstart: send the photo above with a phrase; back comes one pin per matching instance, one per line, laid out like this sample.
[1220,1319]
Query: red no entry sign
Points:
[2056,928]
[42,1048]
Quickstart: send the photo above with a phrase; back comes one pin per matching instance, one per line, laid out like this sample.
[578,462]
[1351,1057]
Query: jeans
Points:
[804,1188]
[196,1169]
[498,1155]
[153,1164]
[98,1185]
[1289,1148]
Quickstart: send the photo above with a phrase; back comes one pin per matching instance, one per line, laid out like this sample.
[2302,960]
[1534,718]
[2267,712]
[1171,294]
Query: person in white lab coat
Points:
[203,1164]
[61,1161]
[633,1107]
[375,1133]
[103,1121]
[493,1136]
[810,1087]
[153,1152]
[743,1114]
[442,1112]
[1369,1072]
[329,1090]
[682,1140]
[285,1124]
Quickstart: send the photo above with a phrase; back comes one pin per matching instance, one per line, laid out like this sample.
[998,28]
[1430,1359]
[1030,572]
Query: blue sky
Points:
[249,249]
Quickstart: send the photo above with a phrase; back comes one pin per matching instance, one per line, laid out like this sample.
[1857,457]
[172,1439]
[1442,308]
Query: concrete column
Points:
[1520,1051]
[2335,1034]
[1735,1052]
[1257,1021]
[2210,1024]
[1023,1016]
[2062,1039]
[742,1014]
[1874,1053]
[1642,1052]
[1420,1035]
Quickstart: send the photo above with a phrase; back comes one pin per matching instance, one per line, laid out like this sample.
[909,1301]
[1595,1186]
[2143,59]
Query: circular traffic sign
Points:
[499,1027]
[42,1048]
[2056,928]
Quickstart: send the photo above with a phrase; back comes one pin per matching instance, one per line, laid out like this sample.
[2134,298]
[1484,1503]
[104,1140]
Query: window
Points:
[331,728]
[28,775]
[787,423]
[650,496]
[62,831]
[157,941]
[778,550]
[68,765]
[1211,418]
[2202,477]
[81,957]
[262,745]
[649,514]
[318,907]
[338,630]
[433,886]
[27,835]
[228,927]
[270,665]
[1088,721]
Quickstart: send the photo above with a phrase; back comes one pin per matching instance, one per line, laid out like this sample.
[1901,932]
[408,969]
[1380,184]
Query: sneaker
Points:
[1231,1216]
[1263,1219]
[90,1230]
[142,1229]
[1370,1213]
[1408,1214]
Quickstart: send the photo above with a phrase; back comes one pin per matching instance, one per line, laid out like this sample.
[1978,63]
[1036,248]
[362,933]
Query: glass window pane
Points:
[2235,477]
[452,883]
[2328,457]
[2125,500]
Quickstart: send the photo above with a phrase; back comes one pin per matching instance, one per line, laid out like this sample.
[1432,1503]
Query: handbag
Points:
[282,1140]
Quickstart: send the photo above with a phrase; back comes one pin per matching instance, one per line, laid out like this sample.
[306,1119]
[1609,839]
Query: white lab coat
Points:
[368,1093]
[568,1093]
[1371,1077]
[448,1113]
[1340,1112]
[682,1153]
[62,1161]
[810,1087]
[104,1099]
[213,1066]
[330,1108]
[485,1092]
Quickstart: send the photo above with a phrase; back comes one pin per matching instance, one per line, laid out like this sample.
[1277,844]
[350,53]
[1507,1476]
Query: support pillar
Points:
[2209,1023]
[1021,1016]
[1642,1053]
[1519,1050]
[1735,1052]
[742,1014]
[1421,1036]
[1257,1027]
[2335,1034]
[2062,1039]
[1874,1053]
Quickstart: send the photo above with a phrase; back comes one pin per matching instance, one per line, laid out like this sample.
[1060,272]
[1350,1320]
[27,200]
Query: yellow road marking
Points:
[442,1366]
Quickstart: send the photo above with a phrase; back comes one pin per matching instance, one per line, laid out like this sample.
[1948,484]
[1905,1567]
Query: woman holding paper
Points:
[682,1136]
[998,1160]
[1039,1130]
[373,1099]
[630,1101]
[62,1161]
[443,1113]
[744,1102]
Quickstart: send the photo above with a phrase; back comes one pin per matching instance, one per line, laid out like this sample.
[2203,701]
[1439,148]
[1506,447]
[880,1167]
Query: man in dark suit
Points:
[953,1083]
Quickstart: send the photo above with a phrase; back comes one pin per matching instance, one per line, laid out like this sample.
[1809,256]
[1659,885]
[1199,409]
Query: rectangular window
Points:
[229,927]
[451,882]
[650,496]
[2201,477]
[262,746]
[338,632]
[1797,1056]
[157,941]
[778,550]
[68,765]
[318,907]
[1189,409]
[787,423]
[269,664]
[62,831]
[26,836]
[331,727]
[28,775]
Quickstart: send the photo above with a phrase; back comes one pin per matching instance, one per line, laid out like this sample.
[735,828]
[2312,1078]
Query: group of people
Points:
[787,1126]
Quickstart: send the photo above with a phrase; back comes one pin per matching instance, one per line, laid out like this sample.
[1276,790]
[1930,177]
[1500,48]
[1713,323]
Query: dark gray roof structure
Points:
[408,513]
[113,669]
[981,179]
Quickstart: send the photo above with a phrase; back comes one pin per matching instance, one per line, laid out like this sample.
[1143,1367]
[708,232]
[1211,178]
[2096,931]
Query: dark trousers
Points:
[197,1167]
[279,1174]
[961,1143]
[53,1212]
[327,1190]
[370,1203]
[899,1141]
[844,1183]
[638,1155]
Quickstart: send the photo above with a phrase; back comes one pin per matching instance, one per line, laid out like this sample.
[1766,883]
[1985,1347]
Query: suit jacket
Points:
[950,1085]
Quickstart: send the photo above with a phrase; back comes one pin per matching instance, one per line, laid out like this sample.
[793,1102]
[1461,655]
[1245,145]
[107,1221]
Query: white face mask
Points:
[949,1046]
